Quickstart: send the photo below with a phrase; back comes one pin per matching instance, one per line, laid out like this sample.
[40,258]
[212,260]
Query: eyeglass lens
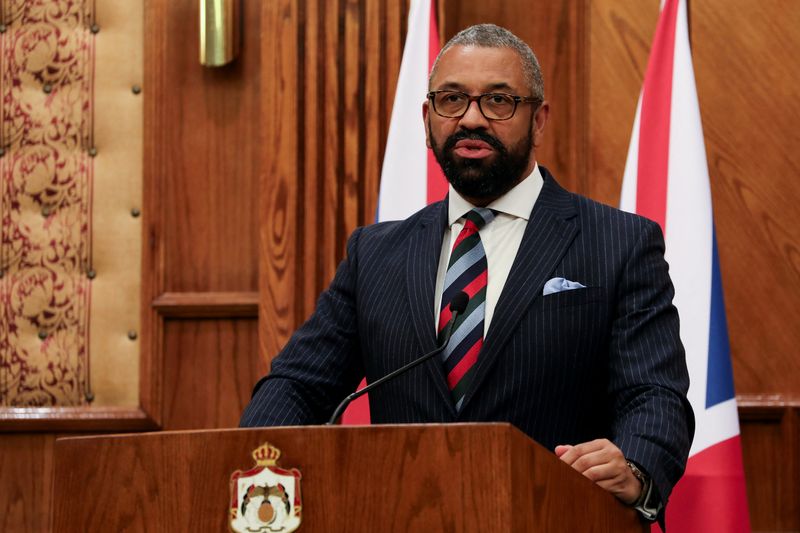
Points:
[493,106]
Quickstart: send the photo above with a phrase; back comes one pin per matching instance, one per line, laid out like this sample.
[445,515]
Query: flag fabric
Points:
[411,178]
[666,179]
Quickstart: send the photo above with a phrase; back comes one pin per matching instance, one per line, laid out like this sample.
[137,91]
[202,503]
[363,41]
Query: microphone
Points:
[457,306]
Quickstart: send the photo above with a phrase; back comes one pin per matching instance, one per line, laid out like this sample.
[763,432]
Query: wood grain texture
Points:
[202,153]
[544,481]
[210,367]
[155,73]
[26,467]
[771,450]
[202,157]
[747,62]
[281,269]
[380,478]
[326,105]
[619,43]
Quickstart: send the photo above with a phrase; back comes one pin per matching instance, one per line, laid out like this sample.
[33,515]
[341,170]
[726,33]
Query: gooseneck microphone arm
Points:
[457,306]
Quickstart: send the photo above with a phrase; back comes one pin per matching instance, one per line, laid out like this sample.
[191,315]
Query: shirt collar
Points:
[517,202]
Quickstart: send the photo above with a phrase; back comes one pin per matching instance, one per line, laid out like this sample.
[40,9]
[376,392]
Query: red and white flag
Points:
[411,178]
[666,179]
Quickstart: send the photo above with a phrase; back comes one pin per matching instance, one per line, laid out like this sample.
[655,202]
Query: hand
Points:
[602,462]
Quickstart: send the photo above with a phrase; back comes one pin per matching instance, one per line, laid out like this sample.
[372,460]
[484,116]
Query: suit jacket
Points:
[601,362]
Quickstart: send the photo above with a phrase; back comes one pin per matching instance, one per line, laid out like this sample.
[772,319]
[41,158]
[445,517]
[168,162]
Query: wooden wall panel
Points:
[327,105]
[209,372]
[771,444]
[202,161]
[202,153]
[26,466]
[619,44]
[746,59]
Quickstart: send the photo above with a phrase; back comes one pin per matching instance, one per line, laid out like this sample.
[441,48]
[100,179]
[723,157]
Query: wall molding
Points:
[765,407]
[57,419]
[207,304]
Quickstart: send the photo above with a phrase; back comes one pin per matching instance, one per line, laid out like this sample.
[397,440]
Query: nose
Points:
[473,118]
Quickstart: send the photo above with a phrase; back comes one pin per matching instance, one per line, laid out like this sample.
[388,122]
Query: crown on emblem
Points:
[266,455]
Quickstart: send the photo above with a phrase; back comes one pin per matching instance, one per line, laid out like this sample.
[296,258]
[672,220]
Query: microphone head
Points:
[459,302]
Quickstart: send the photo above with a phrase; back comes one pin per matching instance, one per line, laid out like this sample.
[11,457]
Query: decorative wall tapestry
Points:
[50,210]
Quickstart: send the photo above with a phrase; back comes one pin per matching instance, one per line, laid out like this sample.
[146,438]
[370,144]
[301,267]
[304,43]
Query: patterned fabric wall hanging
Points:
[48,172]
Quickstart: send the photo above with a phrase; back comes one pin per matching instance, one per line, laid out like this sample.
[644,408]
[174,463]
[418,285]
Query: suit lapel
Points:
[546,239]
[422,262]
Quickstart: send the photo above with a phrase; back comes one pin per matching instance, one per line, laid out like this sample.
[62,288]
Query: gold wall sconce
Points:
[219,32]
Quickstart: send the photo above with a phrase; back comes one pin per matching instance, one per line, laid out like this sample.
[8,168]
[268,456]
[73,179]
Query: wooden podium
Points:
[429,478]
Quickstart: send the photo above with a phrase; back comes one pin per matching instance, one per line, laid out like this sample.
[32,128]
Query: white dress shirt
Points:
[500,238]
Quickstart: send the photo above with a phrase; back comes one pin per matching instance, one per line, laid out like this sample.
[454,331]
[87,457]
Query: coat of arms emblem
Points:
[265,499]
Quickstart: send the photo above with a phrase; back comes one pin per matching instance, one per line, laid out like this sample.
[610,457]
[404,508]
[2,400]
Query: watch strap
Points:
[647,504]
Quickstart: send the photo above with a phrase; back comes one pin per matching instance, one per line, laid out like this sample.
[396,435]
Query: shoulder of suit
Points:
[383,237]
[598,211]
[401,228]
[597,214]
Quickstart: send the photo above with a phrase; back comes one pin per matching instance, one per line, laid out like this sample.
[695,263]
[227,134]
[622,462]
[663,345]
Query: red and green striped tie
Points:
[466,271]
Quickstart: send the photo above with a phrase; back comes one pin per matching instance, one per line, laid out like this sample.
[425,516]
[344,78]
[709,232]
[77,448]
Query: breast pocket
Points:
[574,297]
[570,332]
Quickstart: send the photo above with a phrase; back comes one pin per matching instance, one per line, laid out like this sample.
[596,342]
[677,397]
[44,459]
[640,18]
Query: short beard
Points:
[477,179]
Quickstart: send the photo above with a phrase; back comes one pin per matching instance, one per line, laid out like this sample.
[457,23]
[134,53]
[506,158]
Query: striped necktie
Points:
[466,271]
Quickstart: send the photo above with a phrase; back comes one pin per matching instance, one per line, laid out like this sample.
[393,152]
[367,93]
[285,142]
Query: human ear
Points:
[426,123]
[539,121]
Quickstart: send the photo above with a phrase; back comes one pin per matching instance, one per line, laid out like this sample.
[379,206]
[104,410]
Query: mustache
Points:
[473,135]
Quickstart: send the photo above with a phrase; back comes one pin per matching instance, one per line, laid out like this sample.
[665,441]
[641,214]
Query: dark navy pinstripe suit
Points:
[604,361]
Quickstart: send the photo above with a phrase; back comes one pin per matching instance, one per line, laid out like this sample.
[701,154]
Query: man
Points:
[570,333]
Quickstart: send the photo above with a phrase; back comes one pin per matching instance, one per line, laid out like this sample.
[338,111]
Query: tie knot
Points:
[480,216]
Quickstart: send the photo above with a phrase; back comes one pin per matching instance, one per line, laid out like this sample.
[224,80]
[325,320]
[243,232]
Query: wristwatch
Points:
[646,504]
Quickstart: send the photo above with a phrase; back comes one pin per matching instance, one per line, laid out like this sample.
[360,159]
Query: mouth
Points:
[473,149]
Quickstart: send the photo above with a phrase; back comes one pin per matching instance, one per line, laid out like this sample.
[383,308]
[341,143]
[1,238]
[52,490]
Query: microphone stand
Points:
[448,332]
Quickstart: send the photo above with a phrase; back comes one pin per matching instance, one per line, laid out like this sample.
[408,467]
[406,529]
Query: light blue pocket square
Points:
[560,284]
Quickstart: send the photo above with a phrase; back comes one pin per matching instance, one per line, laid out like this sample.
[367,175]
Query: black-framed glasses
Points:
[493,106]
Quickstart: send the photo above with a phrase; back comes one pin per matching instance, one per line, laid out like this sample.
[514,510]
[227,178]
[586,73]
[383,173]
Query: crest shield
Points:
[265,499]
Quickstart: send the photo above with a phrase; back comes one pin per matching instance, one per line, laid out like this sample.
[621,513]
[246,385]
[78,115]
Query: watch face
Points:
[637,473]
